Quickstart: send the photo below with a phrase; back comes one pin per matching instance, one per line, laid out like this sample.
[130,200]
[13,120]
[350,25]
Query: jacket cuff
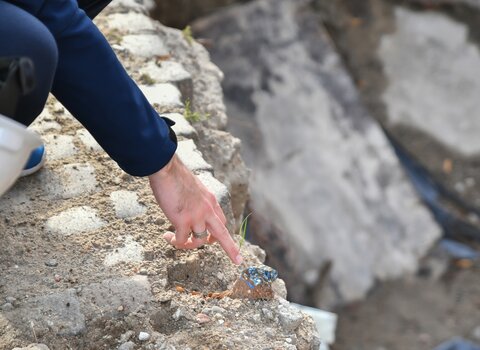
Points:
[154,159]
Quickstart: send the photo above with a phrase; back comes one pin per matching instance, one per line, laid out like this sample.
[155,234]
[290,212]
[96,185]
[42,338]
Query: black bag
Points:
[16,79]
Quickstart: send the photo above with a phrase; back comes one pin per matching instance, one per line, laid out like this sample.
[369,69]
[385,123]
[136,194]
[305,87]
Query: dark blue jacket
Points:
[92,84]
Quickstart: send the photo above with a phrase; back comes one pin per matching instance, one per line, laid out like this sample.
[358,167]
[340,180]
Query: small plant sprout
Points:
[192,116]
[187,34]
[243,230]
[147,79]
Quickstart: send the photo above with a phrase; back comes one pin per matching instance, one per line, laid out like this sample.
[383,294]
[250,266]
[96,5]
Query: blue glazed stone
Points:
[256,275]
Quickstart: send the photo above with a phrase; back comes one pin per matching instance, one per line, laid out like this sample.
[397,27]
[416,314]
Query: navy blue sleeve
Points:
[93,85]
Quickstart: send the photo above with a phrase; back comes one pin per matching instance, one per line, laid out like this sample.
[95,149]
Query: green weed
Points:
[187,34]
[243,230]
[192,116]
[147,79]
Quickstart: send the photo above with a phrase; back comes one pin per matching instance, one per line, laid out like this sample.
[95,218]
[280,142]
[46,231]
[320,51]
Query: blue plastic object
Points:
[458,344]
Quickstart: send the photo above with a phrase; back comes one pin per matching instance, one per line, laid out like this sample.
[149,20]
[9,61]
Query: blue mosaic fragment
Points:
[255,275]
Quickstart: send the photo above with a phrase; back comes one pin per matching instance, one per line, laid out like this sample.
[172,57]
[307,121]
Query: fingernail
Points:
[238,259]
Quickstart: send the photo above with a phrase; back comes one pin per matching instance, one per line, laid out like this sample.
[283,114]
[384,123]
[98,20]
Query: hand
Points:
[191,207]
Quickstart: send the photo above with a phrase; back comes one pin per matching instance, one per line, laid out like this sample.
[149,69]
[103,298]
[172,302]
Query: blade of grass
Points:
[243,230]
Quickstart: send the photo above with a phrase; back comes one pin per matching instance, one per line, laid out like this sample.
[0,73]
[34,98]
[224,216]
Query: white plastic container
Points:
[16,144]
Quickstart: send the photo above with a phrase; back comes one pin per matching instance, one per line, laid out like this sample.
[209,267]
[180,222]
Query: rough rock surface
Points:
[324,173]
[89,269]
[445,67]
[442,71]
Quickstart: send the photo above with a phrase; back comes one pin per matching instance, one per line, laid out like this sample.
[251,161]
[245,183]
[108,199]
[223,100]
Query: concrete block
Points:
[189,154]
[131,5]
[171,72]
[107,296]
[131,22]
[145,45]
[130,252]
[79,179]
[182,127]
[60,312]
[59,146]
[126,204]
[74,221]
[165,95]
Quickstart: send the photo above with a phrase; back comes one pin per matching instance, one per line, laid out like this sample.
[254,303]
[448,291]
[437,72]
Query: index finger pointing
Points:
[220,232]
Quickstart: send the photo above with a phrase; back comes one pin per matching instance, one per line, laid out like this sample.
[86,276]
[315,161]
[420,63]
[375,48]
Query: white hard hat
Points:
[16,144]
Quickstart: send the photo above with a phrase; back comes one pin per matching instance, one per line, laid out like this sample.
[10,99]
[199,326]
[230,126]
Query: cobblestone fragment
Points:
[59,146]
[166,95]
[74,221]
[146,45]
[182,127]
[132,23]
[171,72]
[192,157]
[79,180]
[126,204]
[131,252]
[59,312]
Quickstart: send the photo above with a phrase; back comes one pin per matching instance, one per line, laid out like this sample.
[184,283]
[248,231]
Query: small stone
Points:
[143,336]
[207,311]
[221,321]
[202,318]
[57,278]
[130,345]
[51,263]
[218,310]
[10,300]
[126,336]
[268,314]
[7,307]
[269,332]
[256,318]
[120,308]
[143,271]
[289,317]
[178,314]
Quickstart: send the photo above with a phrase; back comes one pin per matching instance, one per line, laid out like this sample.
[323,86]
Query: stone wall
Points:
[82,261]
